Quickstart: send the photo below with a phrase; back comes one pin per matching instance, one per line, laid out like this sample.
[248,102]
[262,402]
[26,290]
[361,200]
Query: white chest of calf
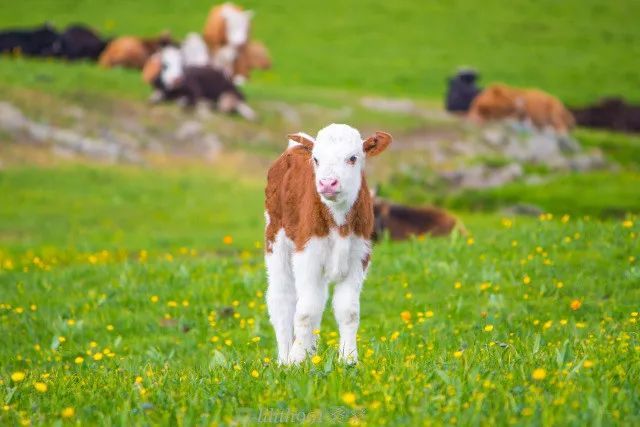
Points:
[340,256]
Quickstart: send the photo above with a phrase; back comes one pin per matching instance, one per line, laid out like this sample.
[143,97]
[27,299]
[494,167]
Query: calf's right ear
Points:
[303,139]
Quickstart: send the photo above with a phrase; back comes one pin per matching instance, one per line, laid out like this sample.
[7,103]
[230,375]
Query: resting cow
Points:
[173,81]
[319,220]
[38,41]
[131,51]
[542,110]
[461,91]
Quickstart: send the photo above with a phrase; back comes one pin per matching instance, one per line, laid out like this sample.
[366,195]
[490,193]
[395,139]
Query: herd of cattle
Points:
[538,108]
[206,67]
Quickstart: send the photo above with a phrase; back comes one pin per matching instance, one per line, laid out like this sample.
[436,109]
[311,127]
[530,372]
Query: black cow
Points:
[609,113]
[462,90]
[79,42]
[39,41]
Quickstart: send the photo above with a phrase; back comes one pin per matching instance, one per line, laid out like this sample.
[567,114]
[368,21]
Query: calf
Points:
[319,220]
[402,222]
[172,80]
[543,110]
[462,91]
[610,113]
[79,42]
[131,51]
[226,31]
[253,56]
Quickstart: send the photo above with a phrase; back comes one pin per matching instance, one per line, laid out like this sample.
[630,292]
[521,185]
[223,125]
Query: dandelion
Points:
[78,360]
[18,376]
[266,360]
[349,398]
[526,279]
[97,356]
[588,364]
[428,313]
[228,342]
[316,359]
[68,412]
[408,295]
[457,285]
[627,224]
[575,304]
[255,374]
[227,240]
[172,304]
[154,298]
[255,339]
[110,328]
[488,328]
[539,374]
[405,315]
[457,354]
[40,387]
[470,241]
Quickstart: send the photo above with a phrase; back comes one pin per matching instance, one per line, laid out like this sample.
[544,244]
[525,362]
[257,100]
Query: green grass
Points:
[579,50]
[71,288]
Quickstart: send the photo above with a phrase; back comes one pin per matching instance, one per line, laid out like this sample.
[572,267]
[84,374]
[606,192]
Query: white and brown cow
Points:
[319,220]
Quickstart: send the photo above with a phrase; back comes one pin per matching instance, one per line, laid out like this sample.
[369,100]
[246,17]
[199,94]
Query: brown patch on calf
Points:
[132,52]
[500,101]
[403,222]
[293,204]
[215,28]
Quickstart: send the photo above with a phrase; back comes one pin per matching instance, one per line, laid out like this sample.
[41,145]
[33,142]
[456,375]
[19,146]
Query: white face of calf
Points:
[237,26]
[172,71]
[339,154]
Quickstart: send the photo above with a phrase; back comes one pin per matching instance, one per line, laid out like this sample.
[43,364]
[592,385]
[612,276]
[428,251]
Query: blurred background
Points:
[374,65]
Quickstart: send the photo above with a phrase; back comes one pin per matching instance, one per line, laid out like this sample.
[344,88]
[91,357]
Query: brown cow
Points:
[402,222]
[543,110]
[253,56]
[132,52]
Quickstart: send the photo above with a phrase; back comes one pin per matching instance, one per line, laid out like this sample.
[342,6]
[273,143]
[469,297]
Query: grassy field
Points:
[122,304]
[399,48]
[134,295]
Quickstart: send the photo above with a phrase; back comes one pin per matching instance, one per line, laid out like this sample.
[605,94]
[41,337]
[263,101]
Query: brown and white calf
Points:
[319,220]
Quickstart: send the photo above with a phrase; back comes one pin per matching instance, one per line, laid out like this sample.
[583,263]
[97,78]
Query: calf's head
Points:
[238,24]
[338,156]
[172,72]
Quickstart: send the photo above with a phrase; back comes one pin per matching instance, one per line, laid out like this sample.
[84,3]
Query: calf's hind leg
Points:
[281,296]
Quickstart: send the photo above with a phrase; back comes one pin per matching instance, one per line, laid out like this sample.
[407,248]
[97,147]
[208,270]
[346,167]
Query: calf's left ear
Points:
[376,144]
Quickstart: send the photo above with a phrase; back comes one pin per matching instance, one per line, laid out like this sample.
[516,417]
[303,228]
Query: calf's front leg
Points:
[346,308]
[311,291]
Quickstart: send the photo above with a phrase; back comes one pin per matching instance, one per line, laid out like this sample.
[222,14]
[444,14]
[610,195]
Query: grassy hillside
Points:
[579,50]
[118,313]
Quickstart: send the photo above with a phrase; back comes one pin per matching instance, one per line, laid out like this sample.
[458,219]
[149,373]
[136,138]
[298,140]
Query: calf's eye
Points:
[315,161]
[352,160]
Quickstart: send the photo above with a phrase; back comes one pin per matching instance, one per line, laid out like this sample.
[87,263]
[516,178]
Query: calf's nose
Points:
[329,185]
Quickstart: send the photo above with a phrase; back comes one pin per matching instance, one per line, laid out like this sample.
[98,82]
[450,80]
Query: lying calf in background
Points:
[131,51]
[402,222]
[189,85]
[541,109]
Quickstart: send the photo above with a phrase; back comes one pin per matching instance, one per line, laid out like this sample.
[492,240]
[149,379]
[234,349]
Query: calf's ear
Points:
[376,144]
[303,139]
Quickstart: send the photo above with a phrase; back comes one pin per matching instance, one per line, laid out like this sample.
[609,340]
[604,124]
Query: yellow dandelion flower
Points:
[255,374]
[154,298]
[539,374]
[457,285]
[627,224]
[227,240]
[78,360]
[575,304]
[40,387]
[138,380]
[214,339]
[457,354]
[428,313]
[526,279]
[18,376]
[488,328]
[228,342]
[68,412]
[405,315]
[316,359]
[172,304]
[316,332]
[110,328]
[266,360]
[97,356]
[255,339]
[349,398]
[408,295]
[588,364]
[470,241]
